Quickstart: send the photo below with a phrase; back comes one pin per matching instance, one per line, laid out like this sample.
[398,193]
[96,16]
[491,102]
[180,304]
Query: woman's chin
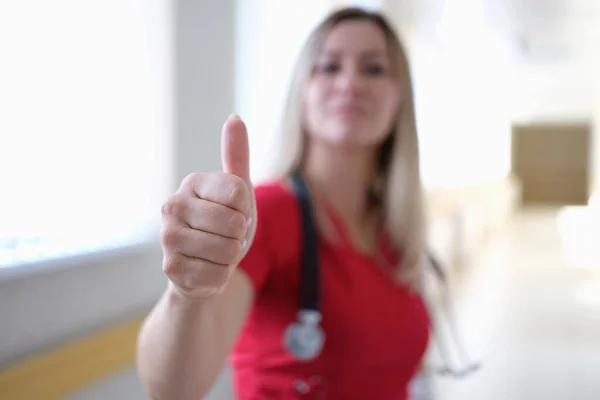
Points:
[350,139]
[355,136]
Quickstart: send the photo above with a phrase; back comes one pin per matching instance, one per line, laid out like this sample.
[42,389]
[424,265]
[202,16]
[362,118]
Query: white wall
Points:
[55,302]
[562,91]
[62,300]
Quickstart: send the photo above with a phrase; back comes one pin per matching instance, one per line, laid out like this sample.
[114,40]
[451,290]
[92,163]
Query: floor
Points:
[530,311]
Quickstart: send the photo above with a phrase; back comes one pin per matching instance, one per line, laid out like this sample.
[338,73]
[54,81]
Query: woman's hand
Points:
[209,223]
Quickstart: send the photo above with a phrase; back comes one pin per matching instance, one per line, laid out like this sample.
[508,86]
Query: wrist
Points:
[199,297]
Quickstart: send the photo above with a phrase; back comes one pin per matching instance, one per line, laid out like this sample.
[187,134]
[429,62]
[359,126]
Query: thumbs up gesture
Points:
[209,223]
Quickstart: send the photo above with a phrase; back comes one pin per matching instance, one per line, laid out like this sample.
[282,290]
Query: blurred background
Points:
[107,105]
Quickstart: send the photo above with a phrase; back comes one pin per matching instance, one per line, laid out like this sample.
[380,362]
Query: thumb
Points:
[235,156]
[235,150]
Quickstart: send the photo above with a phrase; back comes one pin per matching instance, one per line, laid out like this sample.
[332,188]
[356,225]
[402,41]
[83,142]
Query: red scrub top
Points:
[376,330]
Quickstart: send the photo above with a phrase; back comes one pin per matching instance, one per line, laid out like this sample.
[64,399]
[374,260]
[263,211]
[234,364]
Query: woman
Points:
[233,252]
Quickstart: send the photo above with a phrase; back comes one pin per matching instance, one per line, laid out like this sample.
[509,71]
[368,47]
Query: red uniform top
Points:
[376,331]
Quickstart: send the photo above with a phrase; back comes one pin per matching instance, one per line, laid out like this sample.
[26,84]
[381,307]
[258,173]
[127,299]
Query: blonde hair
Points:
[402,195]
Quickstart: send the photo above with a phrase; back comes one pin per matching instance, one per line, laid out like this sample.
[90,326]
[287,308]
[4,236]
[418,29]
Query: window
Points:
[84,132]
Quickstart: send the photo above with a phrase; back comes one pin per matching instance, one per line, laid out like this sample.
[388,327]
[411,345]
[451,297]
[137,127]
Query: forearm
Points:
[180,348]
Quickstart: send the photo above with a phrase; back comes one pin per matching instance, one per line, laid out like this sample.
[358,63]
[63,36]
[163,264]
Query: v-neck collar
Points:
[384,248]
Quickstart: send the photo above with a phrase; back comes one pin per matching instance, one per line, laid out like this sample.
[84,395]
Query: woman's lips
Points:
[349,111]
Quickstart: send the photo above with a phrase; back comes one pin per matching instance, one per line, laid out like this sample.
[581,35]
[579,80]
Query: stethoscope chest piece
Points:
[305,338]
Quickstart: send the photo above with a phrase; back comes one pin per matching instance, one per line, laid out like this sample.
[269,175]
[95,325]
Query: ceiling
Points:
[554,31]
[539,31]
[553,45]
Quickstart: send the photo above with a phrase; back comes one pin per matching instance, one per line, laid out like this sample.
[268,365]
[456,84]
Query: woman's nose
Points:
[350,80]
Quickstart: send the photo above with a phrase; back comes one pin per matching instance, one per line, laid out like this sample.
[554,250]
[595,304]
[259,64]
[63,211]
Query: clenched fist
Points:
[209,223]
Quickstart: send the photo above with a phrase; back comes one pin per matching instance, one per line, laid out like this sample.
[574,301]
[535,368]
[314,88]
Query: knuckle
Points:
[190,180]
[176,206]
[167,208]
[172,266]
[170,236]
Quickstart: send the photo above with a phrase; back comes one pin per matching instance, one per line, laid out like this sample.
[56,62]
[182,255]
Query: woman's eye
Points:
[333,68]
[328,68]
[374,70]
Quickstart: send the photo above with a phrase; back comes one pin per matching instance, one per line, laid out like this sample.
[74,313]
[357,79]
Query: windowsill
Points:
[25,269]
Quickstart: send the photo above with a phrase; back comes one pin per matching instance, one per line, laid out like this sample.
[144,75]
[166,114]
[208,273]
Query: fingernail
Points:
[244,244]
[248,222]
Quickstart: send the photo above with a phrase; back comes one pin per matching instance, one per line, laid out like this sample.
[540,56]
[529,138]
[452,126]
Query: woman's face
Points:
[352,96]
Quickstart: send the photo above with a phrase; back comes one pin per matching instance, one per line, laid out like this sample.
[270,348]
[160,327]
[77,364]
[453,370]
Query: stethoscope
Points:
[304,338]
[468,366]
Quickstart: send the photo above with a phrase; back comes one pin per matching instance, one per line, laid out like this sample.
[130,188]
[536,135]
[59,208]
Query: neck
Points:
[342,176]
